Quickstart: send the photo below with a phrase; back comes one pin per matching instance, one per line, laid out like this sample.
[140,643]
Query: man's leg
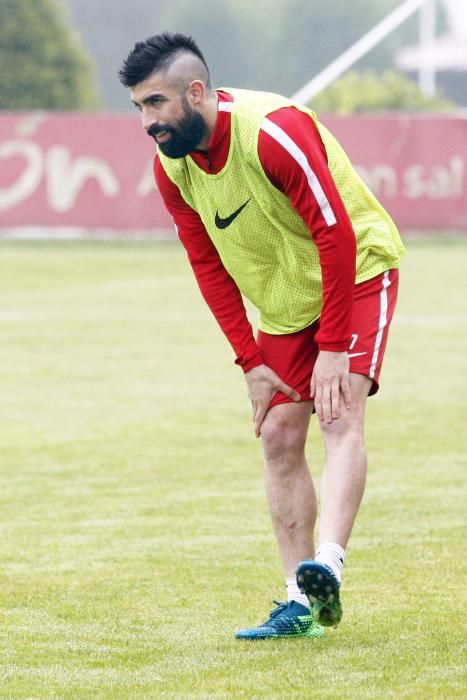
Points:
[289,487]
[344,475]
[342,486]
[292,502]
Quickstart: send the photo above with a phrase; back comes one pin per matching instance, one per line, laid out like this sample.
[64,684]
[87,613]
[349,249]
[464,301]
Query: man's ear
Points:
[196,92]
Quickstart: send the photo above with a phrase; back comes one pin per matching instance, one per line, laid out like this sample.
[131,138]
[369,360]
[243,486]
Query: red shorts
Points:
[293,356]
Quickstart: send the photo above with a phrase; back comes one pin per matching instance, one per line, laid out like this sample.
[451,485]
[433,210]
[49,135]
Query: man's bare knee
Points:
[344,436]
[284,432]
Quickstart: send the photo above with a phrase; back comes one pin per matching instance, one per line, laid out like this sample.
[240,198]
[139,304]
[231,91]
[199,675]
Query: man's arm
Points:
[293,155]
[216,285]
[224,299]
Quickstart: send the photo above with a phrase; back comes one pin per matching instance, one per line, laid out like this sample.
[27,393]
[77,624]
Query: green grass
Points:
[135,536]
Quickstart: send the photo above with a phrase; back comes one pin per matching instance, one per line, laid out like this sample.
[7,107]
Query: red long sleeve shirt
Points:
[336,243]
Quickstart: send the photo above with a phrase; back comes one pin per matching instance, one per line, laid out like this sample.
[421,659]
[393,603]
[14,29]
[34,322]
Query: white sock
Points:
[332,555]
[293,592]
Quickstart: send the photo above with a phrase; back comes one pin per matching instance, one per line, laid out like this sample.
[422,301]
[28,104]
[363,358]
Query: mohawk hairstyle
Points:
[156,53]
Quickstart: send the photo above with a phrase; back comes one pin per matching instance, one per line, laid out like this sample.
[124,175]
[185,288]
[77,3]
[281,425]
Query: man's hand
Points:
[262,384]
[330,378]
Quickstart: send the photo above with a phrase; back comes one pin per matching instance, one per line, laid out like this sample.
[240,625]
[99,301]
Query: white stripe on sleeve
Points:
[224,106]
[297,154]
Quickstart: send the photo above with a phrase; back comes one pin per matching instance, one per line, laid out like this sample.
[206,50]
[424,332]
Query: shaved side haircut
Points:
[157,53]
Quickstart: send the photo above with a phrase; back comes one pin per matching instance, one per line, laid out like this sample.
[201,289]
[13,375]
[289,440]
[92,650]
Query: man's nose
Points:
[148,120]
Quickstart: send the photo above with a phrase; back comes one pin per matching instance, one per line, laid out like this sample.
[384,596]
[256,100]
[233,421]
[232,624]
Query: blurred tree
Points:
[42,65]
[372,92]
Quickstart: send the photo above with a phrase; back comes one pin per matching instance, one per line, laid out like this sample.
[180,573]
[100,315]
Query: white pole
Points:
[427,72]
[359,49]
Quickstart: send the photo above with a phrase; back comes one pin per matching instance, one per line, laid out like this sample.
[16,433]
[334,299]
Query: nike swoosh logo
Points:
[223,223]
[356,354]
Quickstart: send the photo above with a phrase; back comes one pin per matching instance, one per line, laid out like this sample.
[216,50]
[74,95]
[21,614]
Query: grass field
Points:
[135,536]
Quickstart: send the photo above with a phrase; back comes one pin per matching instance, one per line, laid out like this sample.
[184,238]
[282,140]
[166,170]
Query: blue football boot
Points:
[286,620]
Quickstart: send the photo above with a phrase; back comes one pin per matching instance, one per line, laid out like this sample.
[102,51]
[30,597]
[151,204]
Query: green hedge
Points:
[42,65]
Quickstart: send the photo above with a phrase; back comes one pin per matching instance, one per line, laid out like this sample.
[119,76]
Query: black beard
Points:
[184,137]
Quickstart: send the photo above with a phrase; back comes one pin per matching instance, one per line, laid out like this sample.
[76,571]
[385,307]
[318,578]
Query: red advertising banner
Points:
[94,172]
[415,165]
[83,171]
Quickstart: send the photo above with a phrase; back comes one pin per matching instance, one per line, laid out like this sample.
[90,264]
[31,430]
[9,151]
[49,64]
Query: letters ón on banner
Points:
[94,172]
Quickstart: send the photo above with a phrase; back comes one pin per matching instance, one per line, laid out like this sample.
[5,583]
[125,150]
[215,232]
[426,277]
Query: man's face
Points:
[168,117]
